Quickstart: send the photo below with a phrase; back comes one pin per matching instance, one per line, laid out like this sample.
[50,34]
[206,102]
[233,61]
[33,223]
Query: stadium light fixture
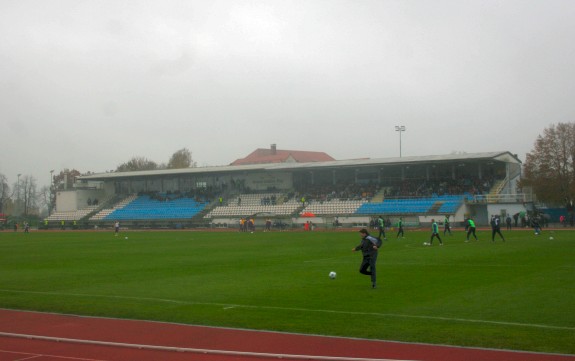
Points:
[400,129]
[50,194]
[18,195]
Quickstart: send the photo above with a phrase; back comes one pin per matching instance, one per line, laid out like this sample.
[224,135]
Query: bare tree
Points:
[181,159]
[550,167]
[28,194]
[4,191]
[65,179]
[137,163]
[45,198]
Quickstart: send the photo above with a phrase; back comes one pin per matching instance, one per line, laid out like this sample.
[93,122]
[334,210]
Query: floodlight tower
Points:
[50,194]
[18,194]
[400,129]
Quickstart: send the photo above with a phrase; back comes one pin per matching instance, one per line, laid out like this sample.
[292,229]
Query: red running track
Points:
[52,337]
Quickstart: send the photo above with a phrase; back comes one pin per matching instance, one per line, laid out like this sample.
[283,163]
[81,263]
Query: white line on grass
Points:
[338,260]
[310,310]
[321,260]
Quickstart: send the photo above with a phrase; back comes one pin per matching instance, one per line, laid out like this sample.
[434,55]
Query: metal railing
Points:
[501,198]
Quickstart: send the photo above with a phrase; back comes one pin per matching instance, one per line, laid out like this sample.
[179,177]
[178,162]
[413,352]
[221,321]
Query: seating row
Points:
[334,207]
[71,215]
[146,208]
[447,204]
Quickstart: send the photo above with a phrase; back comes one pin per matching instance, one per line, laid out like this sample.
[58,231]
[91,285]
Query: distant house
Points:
[274,155]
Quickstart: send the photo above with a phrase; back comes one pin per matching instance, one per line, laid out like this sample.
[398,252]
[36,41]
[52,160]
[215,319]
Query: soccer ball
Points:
[551,238]
[126,237]
[332,275]
[425,244]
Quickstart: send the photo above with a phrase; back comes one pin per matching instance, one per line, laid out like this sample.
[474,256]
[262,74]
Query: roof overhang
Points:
[505,156]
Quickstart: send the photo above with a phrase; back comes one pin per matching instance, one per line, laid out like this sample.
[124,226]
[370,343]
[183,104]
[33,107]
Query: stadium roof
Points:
[503,156]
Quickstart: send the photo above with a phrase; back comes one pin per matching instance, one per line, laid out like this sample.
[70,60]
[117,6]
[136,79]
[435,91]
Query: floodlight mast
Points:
[50,194]
[400,129]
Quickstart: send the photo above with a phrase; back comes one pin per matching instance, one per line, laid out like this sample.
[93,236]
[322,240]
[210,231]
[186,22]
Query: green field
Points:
[514,295]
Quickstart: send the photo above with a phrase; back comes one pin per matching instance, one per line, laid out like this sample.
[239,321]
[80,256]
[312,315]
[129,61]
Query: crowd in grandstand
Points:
[426,188]
[323,193]
[399,188]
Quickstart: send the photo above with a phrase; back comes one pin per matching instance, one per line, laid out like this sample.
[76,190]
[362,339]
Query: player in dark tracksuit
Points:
[400,227]
[496,228]
[446,225]
[368,247]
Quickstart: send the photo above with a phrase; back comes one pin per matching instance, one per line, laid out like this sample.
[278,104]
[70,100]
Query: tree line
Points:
[549,170]
[24,197]
[180,159]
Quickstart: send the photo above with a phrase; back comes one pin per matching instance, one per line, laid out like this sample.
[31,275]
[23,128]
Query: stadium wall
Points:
[73,200]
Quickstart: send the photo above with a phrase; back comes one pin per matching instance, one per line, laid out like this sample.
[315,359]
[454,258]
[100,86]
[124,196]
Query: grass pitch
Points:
[514,295]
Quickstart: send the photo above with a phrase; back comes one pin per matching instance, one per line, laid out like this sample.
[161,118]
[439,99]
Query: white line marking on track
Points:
[38,355]
[298,309]
[189,350]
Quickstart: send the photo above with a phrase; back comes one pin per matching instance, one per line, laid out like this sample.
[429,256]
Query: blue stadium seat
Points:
[146,208]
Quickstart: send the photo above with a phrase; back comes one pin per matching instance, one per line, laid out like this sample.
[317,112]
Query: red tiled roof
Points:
[262,155]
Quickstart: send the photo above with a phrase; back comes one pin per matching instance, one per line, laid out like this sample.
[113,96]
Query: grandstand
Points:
[355,191]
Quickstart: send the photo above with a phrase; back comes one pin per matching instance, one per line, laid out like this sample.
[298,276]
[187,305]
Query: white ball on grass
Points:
[332,275]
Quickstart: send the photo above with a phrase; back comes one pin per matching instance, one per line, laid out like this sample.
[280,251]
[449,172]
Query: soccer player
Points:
[470,229]
[446,225]
[536,225]
[368,247]
[381,227]
[496,228]
[434,233]
[400,227]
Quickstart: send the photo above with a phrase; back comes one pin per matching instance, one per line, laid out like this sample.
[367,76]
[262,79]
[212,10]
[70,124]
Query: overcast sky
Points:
[91,84]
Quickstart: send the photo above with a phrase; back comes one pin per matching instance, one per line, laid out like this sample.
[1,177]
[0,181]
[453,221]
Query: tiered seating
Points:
[250,204]
[447,205]
[334,206]
[146,208]
[105,212]
[451,204]
[72,215]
